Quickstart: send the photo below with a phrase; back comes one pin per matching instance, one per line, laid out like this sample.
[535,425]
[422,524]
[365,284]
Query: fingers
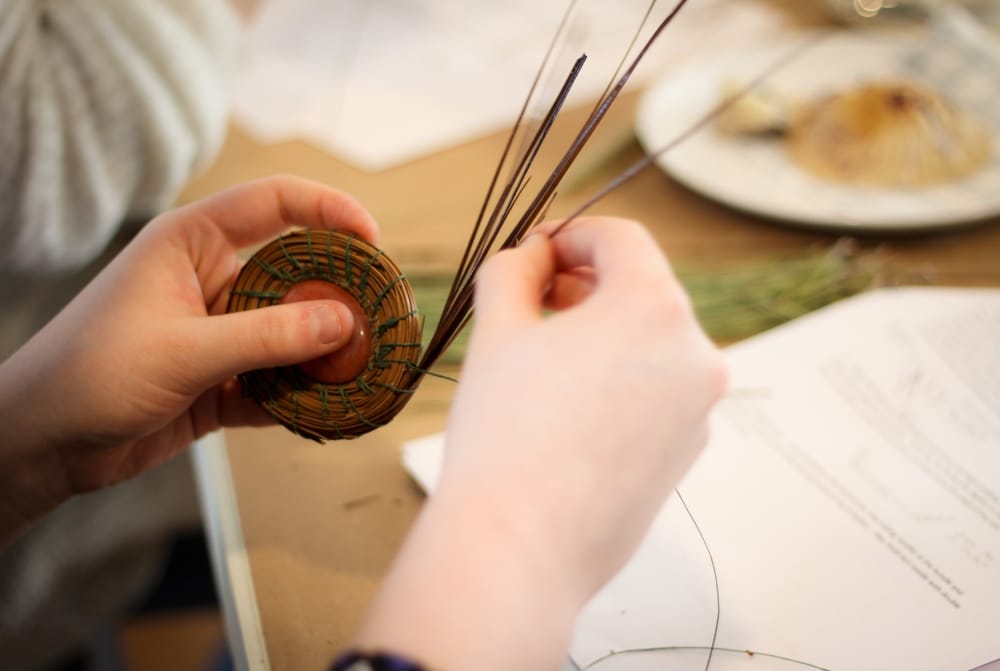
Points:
[280,335]
[511,286]
[225,405]
[570,288]
[260,210]
[617,256]
[235,409]
[621,252]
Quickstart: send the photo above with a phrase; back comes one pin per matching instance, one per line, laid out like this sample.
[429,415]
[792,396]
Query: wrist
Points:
[469,591]
[356,660]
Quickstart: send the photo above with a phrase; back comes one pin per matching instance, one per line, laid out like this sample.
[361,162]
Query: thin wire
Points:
[715,578]
[686,648]
[712,648]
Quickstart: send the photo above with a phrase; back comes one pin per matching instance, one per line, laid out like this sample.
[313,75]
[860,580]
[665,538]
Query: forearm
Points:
[32,477]
[467,591]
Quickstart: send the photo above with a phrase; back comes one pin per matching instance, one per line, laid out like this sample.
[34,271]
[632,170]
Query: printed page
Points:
[850,496]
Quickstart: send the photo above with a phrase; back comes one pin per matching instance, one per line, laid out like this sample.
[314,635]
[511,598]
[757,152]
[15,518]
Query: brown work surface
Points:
[321,522]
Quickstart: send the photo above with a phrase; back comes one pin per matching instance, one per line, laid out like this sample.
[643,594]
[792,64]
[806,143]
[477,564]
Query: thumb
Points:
[278,335]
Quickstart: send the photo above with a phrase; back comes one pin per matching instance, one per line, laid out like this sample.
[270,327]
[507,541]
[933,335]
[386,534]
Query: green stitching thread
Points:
[385,292]
[345,399]
[347,261]
[291,259]
[271,270]
[368,269]
[250,293]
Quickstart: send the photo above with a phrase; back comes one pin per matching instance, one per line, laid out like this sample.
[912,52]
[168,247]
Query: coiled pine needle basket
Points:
[386,310]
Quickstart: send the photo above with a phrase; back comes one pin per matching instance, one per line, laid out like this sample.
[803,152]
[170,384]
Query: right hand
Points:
[568,433]
[576,426]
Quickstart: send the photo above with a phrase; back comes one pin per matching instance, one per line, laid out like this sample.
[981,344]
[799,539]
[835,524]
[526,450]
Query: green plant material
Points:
[431,291]
[740,301]
[732,302]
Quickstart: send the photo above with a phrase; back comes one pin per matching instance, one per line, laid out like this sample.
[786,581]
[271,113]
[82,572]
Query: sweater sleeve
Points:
[106,109]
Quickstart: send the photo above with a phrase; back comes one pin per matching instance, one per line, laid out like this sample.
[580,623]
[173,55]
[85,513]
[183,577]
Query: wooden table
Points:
[310,529]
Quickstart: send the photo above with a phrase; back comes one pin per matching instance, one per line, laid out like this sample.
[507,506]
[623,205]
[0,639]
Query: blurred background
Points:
[114,111]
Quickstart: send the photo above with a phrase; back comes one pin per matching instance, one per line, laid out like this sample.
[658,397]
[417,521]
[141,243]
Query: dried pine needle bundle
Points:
[431,291]
[738,302]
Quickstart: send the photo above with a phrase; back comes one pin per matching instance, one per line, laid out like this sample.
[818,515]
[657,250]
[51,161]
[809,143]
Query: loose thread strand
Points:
[694,648]
[715,577]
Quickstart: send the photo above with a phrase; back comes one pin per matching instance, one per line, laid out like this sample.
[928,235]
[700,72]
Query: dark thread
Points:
[312,254]
[409,365]
[296,408]
[291,259]
[348,267]
[393,388]
[715,577]
[402,362]
[686,648]
[394,345]
[331,259]
[324,402]
[389,323]
[385,291]
[336,430]
[346,400]
[271,270]
[441,376]
[263,295]
[368,269]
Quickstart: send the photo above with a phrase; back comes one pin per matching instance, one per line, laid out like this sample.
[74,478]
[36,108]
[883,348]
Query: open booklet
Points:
[850,496]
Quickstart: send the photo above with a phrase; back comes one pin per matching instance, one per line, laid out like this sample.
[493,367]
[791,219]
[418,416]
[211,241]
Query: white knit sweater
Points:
[106,108]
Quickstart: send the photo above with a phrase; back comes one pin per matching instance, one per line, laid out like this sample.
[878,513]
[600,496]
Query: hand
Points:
[567,435]
[142,362]
[247,9]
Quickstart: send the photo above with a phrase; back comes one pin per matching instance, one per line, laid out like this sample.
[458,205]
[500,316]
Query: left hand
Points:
[142,362]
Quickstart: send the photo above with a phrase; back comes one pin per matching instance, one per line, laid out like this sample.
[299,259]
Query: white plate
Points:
[756,175]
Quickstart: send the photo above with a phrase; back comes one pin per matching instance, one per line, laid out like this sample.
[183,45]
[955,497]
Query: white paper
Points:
[380,83]
[850,496]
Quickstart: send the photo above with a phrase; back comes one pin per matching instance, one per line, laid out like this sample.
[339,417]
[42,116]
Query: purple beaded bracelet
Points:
[354,660]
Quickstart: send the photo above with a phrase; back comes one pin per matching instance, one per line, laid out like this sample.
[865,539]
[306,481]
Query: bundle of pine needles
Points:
[736,302]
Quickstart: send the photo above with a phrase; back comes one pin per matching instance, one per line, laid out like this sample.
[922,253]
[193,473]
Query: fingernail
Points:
[331,321]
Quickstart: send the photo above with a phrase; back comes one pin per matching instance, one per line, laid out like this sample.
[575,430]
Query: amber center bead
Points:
[346,363]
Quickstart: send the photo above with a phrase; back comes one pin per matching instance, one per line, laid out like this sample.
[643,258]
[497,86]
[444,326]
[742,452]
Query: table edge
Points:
[229,557]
